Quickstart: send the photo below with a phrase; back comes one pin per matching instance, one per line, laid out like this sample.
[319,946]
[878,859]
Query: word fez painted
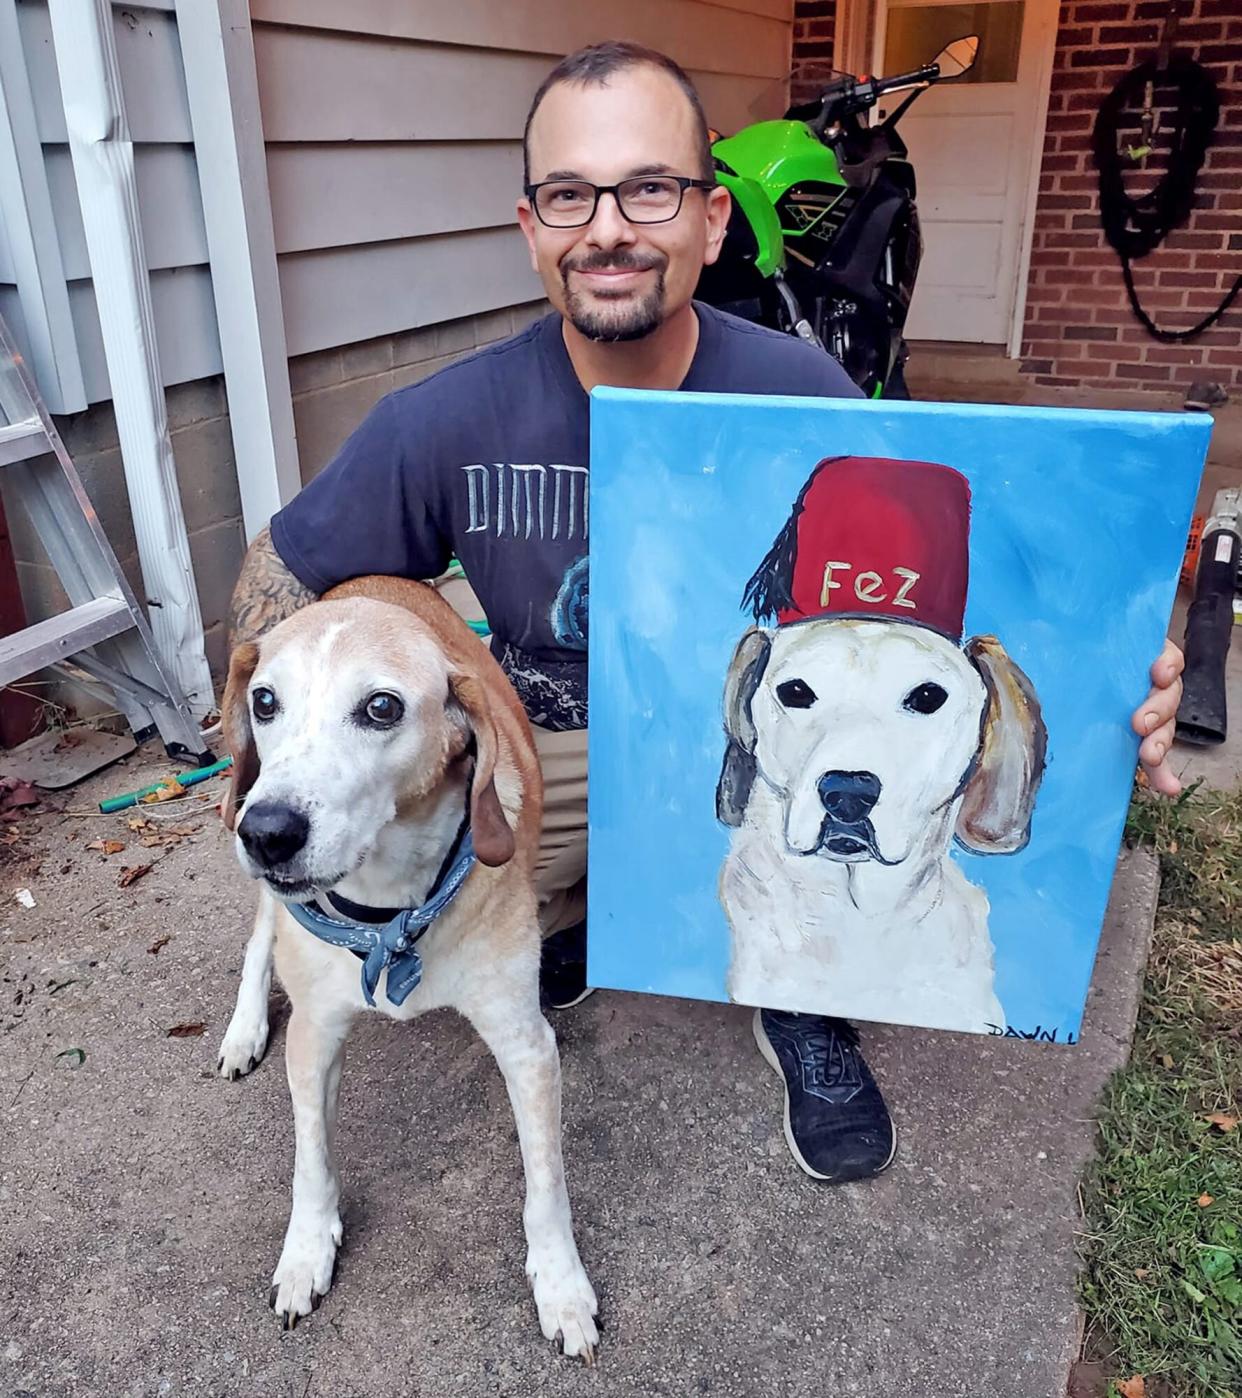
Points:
[867,586]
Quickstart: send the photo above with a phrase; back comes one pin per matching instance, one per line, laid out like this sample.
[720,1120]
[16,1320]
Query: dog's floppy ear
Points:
[999,797]
[238,734]
[493,839]
[738,773]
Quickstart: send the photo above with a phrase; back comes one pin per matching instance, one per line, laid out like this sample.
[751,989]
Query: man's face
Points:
[616,280]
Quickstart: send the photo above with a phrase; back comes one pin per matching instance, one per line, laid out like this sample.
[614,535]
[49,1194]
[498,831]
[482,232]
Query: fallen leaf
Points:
[16,795]
[1204,1200]
[159,942]
[186,1031]
[1223,1120]
[183,830]
[165,841]
[137,823]
[1167,1059]
[107,846]
[1142,1273]
[165,792]
[132,875]
[1133,1388]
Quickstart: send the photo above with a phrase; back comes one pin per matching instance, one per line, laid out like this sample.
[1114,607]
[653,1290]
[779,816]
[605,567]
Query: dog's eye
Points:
[795,694]
[263,704]
[382,710]
[926,699]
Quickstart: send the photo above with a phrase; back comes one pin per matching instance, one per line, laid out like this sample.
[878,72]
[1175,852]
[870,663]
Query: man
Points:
[621,213]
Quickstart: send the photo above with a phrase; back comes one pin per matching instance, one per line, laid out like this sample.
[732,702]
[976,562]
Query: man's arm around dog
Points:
[266,592]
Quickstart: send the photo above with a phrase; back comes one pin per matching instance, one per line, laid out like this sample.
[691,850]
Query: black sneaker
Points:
[836,1123]
[562,972]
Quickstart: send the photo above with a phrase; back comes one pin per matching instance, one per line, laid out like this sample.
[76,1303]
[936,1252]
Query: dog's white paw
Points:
[565,1301]
[304,1272]
[243,1045]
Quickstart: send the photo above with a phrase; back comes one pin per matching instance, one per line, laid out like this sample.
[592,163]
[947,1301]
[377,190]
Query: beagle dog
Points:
[857,750]
[382,762]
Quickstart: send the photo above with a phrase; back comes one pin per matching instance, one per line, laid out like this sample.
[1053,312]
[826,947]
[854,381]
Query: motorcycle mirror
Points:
[958,57]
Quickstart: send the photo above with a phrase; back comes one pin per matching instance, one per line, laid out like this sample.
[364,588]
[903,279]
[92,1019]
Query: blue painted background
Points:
[1079,523]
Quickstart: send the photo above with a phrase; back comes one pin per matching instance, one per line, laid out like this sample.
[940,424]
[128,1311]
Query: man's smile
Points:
[613,277]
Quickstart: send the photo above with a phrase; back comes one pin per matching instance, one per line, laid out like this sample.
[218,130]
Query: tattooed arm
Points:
[266,592]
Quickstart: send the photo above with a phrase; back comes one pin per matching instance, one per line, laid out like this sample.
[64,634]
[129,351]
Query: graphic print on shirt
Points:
[570,610]
[549,503]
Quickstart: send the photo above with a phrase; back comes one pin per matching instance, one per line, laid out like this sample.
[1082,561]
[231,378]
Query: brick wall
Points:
[1080,330]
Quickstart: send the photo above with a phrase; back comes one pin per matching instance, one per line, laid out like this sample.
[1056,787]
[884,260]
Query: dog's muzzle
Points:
[847,834]
[274,834]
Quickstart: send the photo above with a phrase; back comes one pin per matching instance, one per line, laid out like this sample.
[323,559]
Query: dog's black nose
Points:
[272,833]
[849,796]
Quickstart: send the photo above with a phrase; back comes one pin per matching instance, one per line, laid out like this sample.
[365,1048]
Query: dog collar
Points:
[391,943]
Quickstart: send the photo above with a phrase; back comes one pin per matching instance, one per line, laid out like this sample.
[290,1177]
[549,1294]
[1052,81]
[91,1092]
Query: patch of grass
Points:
[1162,1247]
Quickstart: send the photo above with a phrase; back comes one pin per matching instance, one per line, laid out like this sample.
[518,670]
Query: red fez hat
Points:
[874,537]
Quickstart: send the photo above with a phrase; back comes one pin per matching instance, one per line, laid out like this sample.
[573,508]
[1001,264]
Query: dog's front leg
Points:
[525,1049]
[245,1040]
[314,1054]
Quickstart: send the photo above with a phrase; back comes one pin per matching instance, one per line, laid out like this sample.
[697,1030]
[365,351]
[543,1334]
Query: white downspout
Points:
[103,166]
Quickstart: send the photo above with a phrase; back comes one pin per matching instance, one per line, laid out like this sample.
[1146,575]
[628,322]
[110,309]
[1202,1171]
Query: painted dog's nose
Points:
[849,796]
[272,833]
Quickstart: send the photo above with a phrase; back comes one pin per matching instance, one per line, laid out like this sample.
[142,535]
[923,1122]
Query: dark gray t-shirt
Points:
[488,460]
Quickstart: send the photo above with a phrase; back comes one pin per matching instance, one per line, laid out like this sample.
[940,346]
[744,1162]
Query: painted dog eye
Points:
[263,704]
[926,699]
[383,710]
[795,694]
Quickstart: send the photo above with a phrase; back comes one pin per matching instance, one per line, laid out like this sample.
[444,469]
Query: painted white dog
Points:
[363,729]
[857,750]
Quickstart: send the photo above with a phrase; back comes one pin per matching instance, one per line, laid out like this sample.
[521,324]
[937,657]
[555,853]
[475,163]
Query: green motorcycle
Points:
[823,241]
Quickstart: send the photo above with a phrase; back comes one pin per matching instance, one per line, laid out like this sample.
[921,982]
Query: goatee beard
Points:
[630,320]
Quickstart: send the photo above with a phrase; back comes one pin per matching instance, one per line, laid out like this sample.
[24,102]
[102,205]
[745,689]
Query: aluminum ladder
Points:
[103,643]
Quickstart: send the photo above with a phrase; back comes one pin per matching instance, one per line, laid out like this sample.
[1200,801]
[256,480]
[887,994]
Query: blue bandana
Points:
[391,944]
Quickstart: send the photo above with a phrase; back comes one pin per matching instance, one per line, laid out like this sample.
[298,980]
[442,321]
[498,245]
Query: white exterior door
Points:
[973,143]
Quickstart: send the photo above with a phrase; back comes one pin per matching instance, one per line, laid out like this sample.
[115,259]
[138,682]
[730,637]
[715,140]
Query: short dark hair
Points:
[594,65]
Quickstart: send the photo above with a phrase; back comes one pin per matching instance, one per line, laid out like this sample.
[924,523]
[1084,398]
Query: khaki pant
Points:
[560,870]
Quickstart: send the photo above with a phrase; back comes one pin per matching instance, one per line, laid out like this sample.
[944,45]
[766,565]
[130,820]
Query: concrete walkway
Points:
[143,1200]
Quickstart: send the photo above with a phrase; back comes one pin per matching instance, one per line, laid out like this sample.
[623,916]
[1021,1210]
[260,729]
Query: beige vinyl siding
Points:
[393,139]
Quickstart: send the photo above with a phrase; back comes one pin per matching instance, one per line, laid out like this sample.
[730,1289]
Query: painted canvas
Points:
[860,684]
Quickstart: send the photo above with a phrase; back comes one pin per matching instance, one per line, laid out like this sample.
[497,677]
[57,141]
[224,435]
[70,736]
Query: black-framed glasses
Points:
[643,199]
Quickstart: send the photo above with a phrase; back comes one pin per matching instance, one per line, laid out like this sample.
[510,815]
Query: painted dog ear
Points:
[238,734]
[999,795]
[493,839]
[737,775]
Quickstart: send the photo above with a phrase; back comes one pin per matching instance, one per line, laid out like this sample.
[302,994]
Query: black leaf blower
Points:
[1201,718]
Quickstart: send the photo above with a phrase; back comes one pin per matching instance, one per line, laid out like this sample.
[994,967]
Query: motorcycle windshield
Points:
[800,86]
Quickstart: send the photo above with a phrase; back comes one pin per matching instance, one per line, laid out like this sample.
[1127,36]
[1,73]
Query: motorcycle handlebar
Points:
[928,73]
[856,95]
